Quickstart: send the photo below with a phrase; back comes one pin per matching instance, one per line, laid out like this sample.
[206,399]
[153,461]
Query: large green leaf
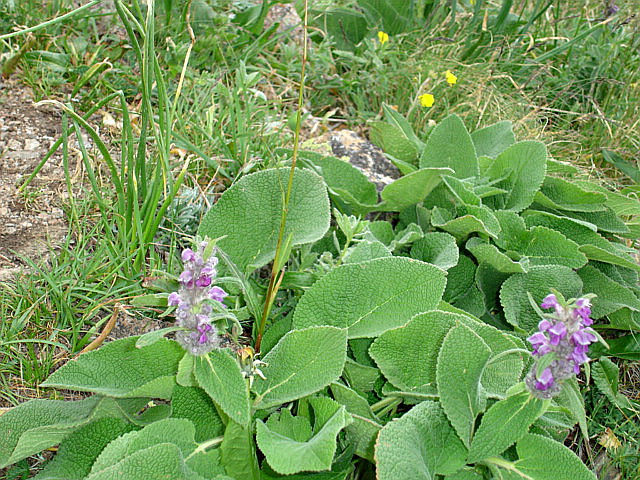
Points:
[411,189]
[562,194]
[362,433]
[437,248]
[537,282]
[459,279]
[461,363]
[504,423]
[490,254]
[79,450]
[39,424]
[407,355]
[196,406]
[374,296]
[469,219]
[167,462]
[238,453]
[347,184]
[450,145]
[542,458]
[303,362]
[492,140]
[419,445]
[292,444]
[119,369]
[611,296]
[248,215]
[544,246]
[522,166]
[592,244]
[220,376]
[173,438]
[393,141]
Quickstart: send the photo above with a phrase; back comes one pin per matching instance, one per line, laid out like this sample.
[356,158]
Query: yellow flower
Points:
[472,3]
[451,78]
[426,100]
[383,37]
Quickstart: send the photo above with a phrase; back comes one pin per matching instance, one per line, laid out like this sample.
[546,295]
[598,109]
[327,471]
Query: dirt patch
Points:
[32,219]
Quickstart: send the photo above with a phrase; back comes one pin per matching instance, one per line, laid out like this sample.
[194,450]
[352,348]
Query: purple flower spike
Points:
[563,338]
[193,300]
[545,380]
[550,301]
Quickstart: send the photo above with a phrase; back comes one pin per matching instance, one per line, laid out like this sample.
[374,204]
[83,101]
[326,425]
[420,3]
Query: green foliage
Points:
[437,450]
[248,214]
[108,371]
[292,444]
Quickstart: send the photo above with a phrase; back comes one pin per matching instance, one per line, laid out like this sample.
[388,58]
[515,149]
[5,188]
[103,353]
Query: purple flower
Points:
[583,337]
[188,255]
[550,301]
[544,325]
[203,281]
[203,329]
[174,298]
[540,344]
[545,380]
[216,293]
[557,333]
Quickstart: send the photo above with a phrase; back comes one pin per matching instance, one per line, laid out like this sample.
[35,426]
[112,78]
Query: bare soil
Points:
[32,220]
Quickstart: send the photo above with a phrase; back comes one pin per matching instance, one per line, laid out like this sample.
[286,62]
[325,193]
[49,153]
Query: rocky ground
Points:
[32,220]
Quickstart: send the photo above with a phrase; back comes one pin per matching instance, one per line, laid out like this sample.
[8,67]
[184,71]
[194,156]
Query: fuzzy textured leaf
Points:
[492,140]
[437,248]
[303,362]
[450,145]
[291,445]
[371,297]
[195,405]
[537,281]
[411,189]
[219,375]
[79,450]
[38,424]
[562,194]
[419,445]
[504,423]
[611,296]
[542,458]
[363,432]
[523,167]
[119,369]
[461,363]
[248,215]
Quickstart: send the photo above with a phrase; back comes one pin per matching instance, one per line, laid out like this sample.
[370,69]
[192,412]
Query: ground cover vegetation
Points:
[476,317]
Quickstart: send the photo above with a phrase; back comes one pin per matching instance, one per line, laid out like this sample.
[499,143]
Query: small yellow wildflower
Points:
[383,37]
[426,100]
[472,3]
[451,78]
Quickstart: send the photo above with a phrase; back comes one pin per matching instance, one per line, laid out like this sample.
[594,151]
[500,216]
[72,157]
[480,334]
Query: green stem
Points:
[383,403]
[273,284]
